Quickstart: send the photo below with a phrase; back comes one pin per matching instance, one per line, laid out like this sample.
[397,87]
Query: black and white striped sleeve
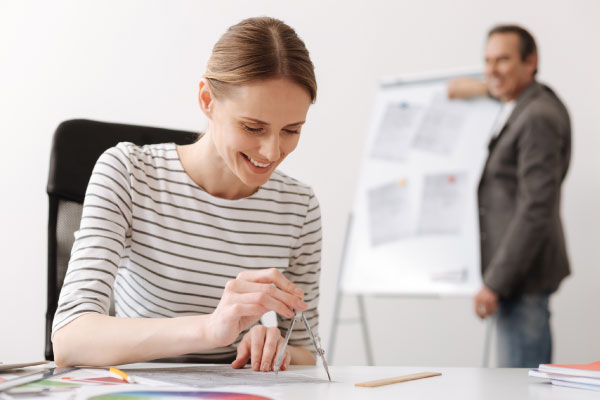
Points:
[304,271]
[100,240]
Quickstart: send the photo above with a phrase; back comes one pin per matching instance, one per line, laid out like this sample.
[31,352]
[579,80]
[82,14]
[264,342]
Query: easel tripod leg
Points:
[336,321]
[365,329]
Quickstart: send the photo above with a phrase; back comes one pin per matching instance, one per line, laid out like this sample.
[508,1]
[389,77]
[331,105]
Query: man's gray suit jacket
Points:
[523,247]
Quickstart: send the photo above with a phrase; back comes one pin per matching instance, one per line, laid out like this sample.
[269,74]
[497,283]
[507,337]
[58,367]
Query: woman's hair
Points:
[258,49]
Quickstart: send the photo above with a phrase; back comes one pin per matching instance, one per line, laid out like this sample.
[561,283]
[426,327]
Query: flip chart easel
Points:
[414,228]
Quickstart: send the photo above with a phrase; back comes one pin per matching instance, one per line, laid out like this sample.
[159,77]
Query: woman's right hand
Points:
[247,298]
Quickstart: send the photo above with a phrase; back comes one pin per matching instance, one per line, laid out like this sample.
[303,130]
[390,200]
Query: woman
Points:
[197,242]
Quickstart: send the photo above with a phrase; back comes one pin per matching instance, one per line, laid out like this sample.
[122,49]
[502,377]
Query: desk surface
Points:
[455,383]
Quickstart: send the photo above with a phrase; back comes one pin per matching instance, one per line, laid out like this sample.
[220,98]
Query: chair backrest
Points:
[76,146]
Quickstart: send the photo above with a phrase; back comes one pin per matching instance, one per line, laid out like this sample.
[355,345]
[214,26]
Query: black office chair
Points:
[76,146]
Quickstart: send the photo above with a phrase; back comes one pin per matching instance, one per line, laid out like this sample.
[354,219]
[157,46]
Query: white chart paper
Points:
[392,141]
[210,376]
[441,125]
[442,204]
[389,212]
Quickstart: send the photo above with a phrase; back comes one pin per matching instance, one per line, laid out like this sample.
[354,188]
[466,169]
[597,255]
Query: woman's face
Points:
[256,125]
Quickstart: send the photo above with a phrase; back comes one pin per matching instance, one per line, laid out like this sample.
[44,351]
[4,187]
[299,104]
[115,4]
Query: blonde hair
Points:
[258,49]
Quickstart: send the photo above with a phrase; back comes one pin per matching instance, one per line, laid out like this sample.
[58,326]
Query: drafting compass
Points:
[315,341]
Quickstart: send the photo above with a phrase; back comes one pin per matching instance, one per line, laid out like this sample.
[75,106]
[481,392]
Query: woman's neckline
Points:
[191,181]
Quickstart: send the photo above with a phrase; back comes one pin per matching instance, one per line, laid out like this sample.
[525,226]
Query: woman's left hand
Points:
[262,346]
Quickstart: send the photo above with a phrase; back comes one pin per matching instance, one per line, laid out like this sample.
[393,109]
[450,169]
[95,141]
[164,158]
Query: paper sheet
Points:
[441,126]
[66,386]
[392,141]
[210,376]
[389,212]
[139,392]
[442,204]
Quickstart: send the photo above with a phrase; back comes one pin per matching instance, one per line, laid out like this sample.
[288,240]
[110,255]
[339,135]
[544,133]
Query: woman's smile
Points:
[259,167]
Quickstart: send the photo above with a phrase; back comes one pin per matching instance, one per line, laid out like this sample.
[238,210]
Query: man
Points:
[523,251]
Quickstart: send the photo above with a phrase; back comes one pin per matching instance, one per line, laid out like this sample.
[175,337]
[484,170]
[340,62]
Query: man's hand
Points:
[262,346]
[485,302]
[463,88]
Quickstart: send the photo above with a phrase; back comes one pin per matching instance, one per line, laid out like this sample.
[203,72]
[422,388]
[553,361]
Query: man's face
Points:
[507,75]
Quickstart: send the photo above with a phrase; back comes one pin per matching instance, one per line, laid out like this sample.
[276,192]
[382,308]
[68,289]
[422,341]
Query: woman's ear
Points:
[205,98]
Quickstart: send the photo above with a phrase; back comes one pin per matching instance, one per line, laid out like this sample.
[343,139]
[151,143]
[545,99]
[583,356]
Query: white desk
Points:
[455,383]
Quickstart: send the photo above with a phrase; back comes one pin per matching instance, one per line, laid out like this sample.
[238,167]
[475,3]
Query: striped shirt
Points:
[164,247]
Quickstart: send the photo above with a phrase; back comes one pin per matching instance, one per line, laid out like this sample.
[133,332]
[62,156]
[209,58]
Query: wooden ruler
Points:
[398,379]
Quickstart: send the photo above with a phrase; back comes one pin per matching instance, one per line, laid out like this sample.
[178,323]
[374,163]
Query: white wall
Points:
[140,61]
